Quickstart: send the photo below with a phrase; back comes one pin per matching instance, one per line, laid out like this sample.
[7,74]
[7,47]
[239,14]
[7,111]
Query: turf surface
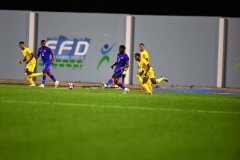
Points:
[104,124]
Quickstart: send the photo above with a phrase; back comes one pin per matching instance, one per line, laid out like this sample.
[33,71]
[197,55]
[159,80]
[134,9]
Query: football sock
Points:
[121,85]
[146,87]
[36,74]
[109,81]
[52,77]
[139,78]
[159,79]
[44,77]
[149,83]
[29,78]
[26,75]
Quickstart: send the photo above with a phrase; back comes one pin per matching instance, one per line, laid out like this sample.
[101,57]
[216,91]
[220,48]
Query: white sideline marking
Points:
[124,107]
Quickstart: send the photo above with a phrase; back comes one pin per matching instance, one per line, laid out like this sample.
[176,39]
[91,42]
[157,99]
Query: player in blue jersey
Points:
[46,53]
[121,64]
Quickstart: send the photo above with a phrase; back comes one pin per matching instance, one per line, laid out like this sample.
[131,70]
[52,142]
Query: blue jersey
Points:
[122,59]
[45,53]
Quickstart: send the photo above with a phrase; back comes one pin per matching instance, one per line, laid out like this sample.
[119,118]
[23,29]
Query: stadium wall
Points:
[182,48]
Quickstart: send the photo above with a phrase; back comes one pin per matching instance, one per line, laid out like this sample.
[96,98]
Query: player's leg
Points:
[162,79]
[139,78]
[155,81]
[149,84]
[110,81]
[36,74]
[44,77]
[29,78]
[119,84]
[116,81]
[32,66]
[56,82]
[150,77]
[123,76]
[144,84]
[29,70]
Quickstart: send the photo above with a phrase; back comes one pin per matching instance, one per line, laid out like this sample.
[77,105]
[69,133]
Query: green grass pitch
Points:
[104,124]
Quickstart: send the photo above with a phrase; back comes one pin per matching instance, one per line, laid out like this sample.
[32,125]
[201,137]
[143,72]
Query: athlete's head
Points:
[43,43]
[141,47]
[122,49]
[137,56]
[21,44]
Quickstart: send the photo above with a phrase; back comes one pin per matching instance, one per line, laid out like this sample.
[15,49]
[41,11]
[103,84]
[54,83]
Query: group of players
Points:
[47,59]
[121,65]
[145,69]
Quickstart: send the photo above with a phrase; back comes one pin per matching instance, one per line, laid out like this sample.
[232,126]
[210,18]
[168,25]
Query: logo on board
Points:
[68,53]
[105,51]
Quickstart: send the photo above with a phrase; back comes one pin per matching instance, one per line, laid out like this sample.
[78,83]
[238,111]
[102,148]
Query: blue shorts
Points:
[46,66]
[118,72]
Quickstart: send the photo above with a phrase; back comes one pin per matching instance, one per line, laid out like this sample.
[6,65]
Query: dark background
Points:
[143,7]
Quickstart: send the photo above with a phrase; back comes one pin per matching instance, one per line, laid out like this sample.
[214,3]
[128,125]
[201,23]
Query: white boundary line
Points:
[125,107]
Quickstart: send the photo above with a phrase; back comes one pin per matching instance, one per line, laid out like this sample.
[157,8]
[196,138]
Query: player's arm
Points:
[126,66]
[52,56]
[148,67]
[23,60]
[114,65]
[38,55]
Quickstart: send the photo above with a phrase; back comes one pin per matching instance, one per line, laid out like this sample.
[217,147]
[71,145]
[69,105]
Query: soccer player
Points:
[121,63]
[45,53]
[148,72]
[123,77]
[31,63]
[144,55]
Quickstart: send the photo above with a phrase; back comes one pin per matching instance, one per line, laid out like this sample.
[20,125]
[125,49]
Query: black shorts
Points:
[123,75]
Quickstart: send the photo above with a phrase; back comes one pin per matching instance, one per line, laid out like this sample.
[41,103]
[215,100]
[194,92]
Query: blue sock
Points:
[44,77]
[109,82]
[121,85]
[52,77]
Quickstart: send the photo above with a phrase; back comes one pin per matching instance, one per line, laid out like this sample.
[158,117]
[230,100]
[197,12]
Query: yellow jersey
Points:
[143,64]
[27,53]
[144,55]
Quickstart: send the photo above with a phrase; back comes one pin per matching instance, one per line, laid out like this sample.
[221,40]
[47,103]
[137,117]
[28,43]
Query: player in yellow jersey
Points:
[144,55]
[31,63]
[148,72]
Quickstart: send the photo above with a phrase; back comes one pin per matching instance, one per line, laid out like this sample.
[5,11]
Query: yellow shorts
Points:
[150,73]
[31,66]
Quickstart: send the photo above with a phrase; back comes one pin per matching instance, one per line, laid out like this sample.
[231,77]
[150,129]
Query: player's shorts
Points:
[124,74]
[150,73]
[118,72]
[31,66]
[46,66]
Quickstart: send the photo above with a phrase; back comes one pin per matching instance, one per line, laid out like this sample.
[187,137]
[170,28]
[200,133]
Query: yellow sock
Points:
[26,75]
[139,78]
[146,87]
[36,74]
[149,83]
[29,78]
[159,79]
